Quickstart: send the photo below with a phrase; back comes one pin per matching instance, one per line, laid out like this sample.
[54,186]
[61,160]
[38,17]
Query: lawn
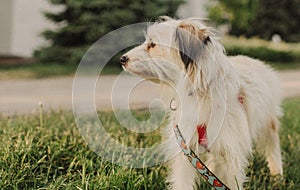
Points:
[47,152]
[38,70]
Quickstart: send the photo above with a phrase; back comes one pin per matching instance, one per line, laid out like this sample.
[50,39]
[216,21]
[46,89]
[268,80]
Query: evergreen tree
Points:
[84,22]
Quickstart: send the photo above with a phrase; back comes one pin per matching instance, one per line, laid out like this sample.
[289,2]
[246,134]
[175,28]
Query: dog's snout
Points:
[124,59]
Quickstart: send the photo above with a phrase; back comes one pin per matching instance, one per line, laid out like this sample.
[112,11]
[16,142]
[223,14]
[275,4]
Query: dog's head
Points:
[171,47]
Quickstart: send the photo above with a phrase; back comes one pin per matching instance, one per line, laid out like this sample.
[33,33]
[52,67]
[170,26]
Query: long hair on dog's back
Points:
[236,101]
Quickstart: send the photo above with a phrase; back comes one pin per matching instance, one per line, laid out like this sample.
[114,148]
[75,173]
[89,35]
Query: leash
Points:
[207,175]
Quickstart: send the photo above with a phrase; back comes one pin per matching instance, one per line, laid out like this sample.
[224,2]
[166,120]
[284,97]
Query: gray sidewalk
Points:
[23,96]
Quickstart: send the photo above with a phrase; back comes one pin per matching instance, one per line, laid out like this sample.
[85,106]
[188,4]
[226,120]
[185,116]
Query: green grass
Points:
[37,70]
[281,66]
[283,53]
[281,56]
[51,154]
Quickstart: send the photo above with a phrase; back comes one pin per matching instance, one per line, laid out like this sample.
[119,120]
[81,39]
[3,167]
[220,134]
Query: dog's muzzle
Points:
[124,59]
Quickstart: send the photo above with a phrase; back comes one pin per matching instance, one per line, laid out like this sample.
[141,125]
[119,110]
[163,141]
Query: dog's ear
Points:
[191,42]
[164,18]
[203,36]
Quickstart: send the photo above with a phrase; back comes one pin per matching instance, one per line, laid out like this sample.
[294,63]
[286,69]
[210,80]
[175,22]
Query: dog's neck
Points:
[200,99]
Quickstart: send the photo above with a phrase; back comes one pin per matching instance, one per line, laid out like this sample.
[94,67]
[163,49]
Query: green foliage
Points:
[83,22]
[238,13]
[278,17]
[55,156]
[261,49]
[262,18]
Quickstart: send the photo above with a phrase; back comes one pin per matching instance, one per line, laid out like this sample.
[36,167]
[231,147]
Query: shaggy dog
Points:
[222,105]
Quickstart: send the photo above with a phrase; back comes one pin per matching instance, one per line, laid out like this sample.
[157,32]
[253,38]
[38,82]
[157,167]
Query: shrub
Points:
[264,50]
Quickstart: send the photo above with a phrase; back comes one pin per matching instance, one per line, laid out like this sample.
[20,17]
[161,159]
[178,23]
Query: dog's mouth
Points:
[143,73]
[153,69]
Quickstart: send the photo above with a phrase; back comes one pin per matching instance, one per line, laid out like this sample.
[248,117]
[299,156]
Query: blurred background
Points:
[41,45]
[60,31]
[48,38]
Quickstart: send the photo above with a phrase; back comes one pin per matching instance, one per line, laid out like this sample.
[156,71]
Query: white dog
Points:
[222,105]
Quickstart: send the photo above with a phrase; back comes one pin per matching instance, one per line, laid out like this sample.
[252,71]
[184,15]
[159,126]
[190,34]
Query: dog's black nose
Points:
[124,59]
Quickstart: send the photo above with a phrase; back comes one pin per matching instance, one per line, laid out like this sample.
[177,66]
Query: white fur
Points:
[207,92]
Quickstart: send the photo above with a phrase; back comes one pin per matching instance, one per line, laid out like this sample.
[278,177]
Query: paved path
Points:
[23,96]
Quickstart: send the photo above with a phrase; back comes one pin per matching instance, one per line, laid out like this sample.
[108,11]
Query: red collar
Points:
[202,137]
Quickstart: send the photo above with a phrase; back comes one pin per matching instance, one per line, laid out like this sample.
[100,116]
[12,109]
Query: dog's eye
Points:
[151,45]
